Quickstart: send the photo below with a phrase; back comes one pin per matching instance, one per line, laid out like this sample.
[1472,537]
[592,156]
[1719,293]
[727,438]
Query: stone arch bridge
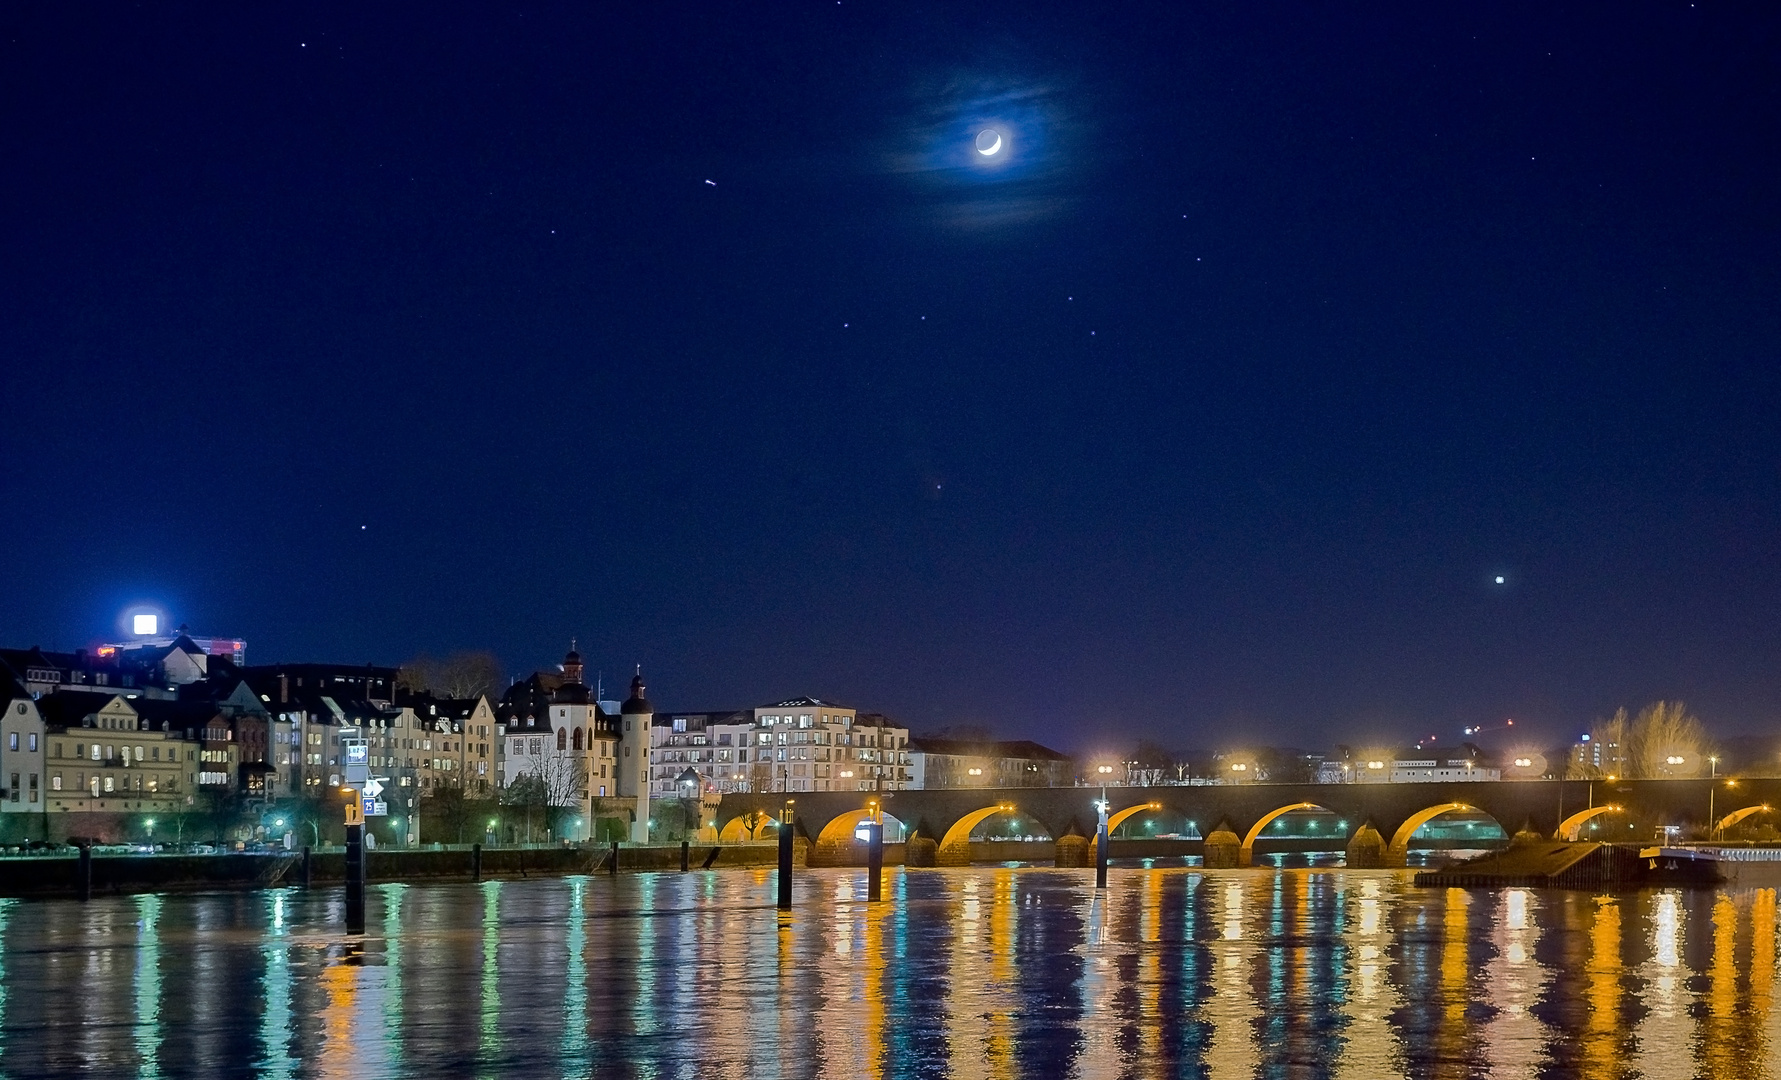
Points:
[1381,817]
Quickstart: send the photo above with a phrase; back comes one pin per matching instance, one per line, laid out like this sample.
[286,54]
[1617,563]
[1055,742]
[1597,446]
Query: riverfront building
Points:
[953,763]
[798,744]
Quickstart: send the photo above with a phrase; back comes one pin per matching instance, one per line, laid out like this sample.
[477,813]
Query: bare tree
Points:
[565,777]
[1664,740]
[754,821]
[464,674]
[760,774]
[454,809]
[529,795]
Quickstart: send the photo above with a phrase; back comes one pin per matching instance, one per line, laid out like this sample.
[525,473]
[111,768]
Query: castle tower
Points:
[568,771]
[633,755]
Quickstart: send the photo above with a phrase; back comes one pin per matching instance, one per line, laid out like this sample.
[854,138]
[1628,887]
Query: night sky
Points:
[1209,410]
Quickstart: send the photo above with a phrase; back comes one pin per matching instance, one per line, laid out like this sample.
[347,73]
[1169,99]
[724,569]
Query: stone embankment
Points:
[62,875]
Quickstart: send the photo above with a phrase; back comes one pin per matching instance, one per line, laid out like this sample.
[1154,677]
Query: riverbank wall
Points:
[60,875]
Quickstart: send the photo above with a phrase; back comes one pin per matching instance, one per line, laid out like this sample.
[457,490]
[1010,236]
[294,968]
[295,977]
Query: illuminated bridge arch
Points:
[736,830]
[955,846]
[1570,827]
[842,827]
[1736,816]
[1114,821]
[1268,819]
[1400,840]
[838,843]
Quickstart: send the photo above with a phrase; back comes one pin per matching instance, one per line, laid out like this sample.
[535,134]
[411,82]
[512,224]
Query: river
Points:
[982,972]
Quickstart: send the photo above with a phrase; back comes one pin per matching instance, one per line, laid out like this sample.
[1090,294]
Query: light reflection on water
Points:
[979,973]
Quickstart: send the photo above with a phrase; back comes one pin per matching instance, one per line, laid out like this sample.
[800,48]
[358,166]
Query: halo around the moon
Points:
[989,142]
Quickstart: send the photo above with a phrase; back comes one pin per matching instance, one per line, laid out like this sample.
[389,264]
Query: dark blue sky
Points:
[1210,413]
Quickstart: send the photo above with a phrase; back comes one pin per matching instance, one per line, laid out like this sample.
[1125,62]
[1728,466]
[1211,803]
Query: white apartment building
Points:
[1433,765]
[807,744]
[716,746]
[801,744]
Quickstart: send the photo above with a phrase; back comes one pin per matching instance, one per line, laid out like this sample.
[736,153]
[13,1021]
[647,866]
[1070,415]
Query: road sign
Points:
[375,807]
[373,787]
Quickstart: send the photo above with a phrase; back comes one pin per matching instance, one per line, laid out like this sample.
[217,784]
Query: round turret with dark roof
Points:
[637,704]
[573,690]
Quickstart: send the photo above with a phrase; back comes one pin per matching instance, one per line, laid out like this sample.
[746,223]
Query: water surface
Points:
[986,972]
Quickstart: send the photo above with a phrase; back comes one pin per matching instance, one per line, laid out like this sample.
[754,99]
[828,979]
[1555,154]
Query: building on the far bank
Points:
[21,760]
[1427,765]
[808,744]
[953,763]
[715,745]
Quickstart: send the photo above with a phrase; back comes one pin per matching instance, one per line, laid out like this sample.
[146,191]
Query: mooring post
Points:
[785,866]
[612,863]
[306,866]
[355,879]
[1101,844]
[875,860]
[86,872]
[475,862]
[685,856]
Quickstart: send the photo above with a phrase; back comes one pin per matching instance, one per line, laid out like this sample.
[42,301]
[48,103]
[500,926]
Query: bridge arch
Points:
[1400,840]
[1736,816]
[1571,826]
[955,846]
[1114,821]
[1248,846]
[737,830]
[838,843]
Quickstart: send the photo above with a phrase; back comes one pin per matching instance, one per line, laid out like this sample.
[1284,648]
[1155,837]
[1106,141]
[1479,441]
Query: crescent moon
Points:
[992,148]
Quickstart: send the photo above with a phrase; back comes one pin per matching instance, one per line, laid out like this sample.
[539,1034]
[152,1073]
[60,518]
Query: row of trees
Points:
[1663,740]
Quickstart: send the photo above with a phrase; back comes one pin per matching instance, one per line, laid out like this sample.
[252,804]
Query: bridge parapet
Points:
[1388,812]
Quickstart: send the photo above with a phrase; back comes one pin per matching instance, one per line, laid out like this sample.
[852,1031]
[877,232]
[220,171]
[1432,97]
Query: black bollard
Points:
[1102,841]
[355,879]
[306,866]
[785,867]
[875,861]
[475,862]
[684,863]
[86,872]
[612,863]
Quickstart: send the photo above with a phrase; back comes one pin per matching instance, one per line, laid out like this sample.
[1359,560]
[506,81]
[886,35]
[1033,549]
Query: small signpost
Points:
[355,755]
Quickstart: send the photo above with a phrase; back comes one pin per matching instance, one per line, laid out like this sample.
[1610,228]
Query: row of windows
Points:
[104,784]
[12,741]
[96,752]
[14,788]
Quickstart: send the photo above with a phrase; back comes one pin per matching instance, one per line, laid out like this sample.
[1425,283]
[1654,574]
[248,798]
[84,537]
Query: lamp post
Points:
[1712,790]
[1102,837]
[1711,819]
